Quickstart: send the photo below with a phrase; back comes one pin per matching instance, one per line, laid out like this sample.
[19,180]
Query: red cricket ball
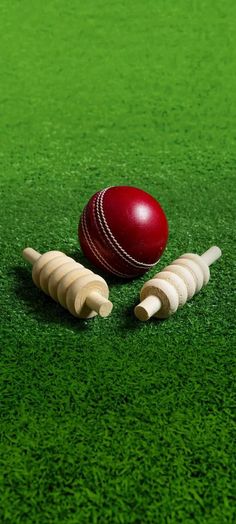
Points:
[123,230]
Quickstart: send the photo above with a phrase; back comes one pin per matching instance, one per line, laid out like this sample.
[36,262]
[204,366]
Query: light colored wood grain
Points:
[171,288]
[30,255]
[211,255]
[81,291]
[97,302]
[186,276]
[203,266]
[57,275]
[48,269]
[178,284]
[165,292]
[148,308]
[40,263]
[66,281]
[194,268]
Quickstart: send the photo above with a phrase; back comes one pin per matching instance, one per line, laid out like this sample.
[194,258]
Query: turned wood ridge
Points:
[76,288]
[171,288]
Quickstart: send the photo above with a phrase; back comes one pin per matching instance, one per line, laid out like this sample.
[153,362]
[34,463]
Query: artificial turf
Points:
[113,420]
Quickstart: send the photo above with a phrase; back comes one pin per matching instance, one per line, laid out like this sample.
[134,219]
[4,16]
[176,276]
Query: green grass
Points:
[112,420]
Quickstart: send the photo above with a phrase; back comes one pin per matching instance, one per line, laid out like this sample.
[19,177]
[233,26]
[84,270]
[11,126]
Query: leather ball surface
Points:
[123,230]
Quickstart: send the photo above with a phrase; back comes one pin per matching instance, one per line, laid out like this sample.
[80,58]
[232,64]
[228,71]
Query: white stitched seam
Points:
[95,251]
[112,241]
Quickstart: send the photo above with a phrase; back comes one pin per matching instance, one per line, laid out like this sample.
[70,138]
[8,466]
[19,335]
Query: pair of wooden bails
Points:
[86,294]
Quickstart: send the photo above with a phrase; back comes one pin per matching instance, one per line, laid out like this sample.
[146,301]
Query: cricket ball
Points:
[123,230]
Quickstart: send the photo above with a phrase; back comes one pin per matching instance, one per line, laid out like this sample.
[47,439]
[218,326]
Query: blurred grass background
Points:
[112,420]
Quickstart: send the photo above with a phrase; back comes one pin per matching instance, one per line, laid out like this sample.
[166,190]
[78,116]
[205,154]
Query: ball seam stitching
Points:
[94,249]
[112,240]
